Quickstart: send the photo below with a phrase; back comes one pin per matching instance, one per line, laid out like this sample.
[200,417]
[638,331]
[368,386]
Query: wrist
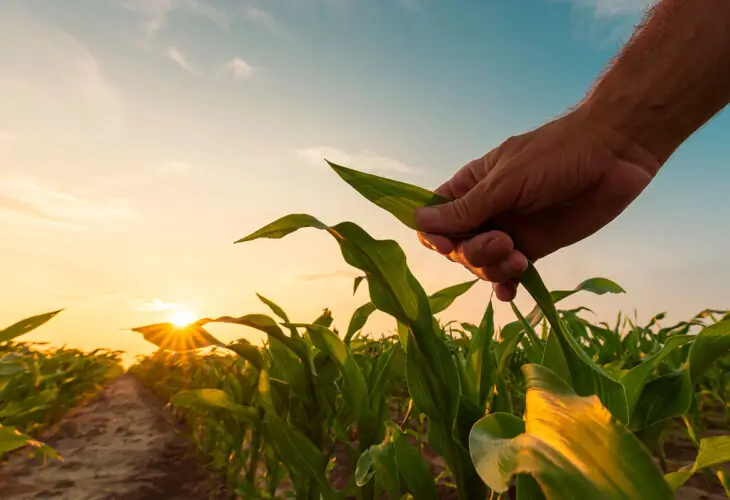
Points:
[624,139]
[647,132]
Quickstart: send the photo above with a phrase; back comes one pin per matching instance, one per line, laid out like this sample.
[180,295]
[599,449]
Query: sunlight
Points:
[182,317]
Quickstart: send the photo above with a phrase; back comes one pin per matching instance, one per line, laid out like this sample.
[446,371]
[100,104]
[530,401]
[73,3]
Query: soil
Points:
[124,445]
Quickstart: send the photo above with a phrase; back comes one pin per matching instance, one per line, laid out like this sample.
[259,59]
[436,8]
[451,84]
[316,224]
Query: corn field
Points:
[548,406]
[39,385]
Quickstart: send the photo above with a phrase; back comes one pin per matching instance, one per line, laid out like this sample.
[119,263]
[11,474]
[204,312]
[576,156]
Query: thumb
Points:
[462,214]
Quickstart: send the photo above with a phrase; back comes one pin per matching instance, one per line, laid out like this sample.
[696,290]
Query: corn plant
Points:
[491,401]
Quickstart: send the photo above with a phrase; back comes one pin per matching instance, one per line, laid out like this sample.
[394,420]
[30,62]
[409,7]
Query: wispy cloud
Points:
[327,276]
[612,8]
[239,68]
[154,305]
[155,13]
[32,199]
[150,175]
[262,17]
[364,160]
[177,55]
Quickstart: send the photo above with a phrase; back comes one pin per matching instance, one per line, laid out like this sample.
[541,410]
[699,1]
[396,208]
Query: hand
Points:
[544,190]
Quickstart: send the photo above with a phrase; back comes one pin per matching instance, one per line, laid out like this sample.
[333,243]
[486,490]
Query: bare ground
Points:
[123,445]
[120,446]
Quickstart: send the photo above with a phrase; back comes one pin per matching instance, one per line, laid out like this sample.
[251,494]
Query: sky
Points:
[140,138]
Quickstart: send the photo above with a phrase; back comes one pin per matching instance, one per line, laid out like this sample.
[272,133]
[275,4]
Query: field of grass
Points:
[548,406]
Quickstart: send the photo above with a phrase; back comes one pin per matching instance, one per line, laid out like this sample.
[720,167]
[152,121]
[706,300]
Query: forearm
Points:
[671,77]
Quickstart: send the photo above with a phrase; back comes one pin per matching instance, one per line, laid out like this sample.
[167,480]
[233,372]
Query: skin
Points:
[562,182]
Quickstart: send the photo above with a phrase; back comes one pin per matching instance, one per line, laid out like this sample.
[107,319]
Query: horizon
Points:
[140,139]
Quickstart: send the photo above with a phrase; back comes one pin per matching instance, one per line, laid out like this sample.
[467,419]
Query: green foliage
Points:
[550,404]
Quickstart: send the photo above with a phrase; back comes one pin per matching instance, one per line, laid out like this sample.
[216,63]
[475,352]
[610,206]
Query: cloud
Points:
[154,305]
[259,16]
[31,199]
[181,59]
[612,8]
[326,276]
[364,160]
[150,175]
[155,13]
[239,68]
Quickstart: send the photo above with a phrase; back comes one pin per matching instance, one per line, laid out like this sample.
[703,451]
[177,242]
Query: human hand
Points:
[544,190]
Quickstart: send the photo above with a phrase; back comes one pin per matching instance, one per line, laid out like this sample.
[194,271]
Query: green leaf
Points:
[401,200]
[12,439]
[412,467]
[635,379]
[26,325]
[179,338]
[284,226]
[213,398]
[356,391]
[480,358]
[711,344]
[570,444]
[385,467]
[587,377]
[274,308]
[442,299]
[364,469]
[356,284]
[358,320]
[299,453]
[713,451]
[395,291]
[268,326]
[598,286]
[247,351]
[398,198]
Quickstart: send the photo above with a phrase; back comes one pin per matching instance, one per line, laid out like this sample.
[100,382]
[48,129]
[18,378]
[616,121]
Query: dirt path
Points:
[121,446]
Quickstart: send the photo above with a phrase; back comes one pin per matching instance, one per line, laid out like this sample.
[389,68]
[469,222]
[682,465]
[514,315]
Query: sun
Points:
[182,317]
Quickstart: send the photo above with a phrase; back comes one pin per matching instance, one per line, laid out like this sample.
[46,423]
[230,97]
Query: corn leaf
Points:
[713,451]
[413,468]
[12,439]
[216,399]
[179,338]
[442,299]
[26,325]
[358,320]
[567,443]
[598,286]
[401,200]
[398,198]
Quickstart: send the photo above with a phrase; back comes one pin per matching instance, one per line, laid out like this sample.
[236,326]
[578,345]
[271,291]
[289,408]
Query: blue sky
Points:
[139,139]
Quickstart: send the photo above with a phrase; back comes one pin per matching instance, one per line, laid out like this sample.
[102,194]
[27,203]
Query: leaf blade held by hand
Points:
[398,198]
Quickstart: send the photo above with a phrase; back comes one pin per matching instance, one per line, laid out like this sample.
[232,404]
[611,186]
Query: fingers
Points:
[490,256]
[468,208]
[506,292]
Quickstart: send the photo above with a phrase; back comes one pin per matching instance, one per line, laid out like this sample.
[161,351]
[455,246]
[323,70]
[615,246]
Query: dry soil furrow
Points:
[120,446]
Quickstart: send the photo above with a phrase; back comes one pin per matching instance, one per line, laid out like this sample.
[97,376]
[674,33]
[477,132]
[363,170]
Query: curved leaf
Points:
[598,286]
[442,299]
[570,444]
[398,198]
[213,398]
[713,451]
[358,320]
[26,325]
[179,338]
